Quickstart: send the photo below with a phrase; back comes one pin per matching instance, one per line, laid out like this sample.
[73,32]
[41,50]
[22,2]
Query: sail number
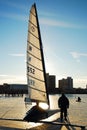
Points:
[31,82]
[31,70]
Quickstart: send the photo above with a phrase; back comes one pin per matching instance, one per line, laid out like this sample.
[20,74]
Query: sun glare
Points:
[43,105]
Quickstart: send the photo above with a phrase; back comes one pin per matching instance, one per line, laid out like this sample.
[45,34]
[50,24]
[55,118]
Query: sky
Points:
[63,25]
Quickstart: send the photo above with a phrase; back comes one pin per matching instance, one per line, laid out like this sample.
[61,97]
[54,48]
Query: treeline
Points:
[69,91]
[6,89]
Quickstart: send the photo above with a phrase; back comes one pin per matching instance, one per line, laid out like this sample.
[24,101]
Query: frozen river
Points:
[15,108]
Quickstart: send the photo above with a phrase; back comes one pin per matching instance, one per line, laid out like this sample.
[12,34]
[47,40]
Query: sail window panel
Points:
[40,96]
[34,40]
[33,19]
[36,84]
[34,61]
[34,72]
[34,51]
[33,29]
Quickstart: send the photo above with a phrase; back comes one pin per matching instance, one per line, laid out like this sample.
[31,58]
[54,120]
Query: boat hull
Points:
[35,114]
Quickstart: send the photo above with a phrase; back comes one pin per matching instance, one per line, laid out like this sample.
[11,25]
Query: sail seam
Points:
[33,45]
[37,89]
[32,13]
[35,67]
[36,78]
[33,24]
[33,35]
[33,56]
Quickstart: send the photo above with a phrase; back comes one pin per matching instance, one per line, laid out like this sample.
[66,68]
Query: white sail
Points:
[35,61]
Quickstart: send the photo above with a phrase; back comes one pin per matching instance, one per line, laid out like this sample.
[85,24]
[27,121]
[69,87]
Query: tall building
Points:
[51,82]
[66,84]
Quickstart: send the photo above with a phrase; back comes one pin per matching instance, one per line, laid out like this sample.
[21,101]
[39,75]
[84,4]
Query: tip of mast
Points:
[34,4]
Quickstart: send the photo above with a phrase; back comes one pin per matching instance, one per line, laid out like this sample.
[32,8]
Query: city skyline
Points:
[63,26]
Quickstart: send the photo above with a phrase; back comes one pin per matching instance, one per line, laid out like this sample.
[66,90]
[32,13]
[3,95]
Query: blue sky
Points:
[63,25]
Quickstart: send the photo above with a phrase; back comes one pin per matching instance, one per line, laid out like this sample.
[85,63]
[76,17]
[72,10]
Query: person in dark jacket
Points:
[63,104]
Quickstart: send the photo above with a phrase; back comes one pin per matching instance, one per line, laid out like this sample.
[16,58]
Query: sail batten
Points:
[36,78]
[33,45]
[38,90]
[36,75]
[34,56]
[36,68]
[32,23]
[34,35]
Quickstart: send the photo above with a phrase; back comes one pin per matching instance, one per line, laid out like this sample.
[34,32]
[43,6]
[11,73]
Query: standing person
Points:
[63,104]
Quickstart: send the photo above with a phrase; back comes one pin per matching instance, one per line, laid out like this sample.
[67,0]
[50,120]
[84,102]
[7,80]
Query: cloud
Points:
[14,16]
[3,75]
[17,55]
[77,55]
[15,5]
[44,21]
[57,23]
[81,82]
[13,79]
[50,22]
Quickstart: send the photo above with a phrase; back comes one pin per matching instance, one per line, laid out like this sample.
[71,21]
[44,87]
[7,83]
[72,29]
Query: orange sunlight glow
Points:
[43,105]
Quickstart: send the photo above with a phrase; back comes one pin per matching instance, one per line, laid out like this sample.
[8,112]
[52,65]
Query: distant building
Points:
[66,84]
[18,86]
[51,82]
[86,86]
[13,88]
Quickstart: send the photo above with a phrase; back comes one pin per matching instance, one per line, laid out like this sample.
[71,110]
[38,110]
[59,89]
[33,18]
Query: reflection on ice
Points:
[43,105]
